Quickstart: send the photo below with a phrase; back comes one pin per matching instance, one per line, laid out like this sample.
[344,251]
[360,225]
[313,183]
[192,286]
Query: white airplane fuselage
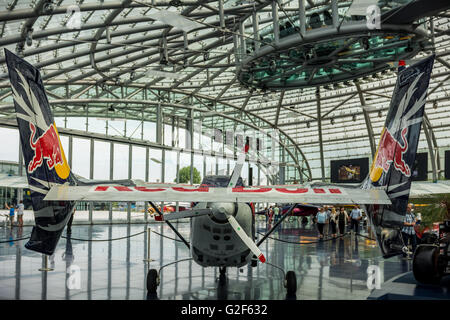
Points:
[213,241]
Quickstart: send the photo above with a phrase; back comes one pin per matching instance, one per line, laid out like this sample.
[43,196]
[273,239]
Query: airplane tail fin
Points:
[44,158]
[394,160]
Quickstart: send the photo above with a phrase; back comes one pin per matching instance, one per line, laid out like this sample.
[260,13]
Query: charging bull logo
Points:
[48,147]
[391,151]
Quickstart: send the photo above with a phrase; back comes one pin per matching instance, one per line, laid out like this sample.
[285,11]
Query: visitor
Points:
[20,208]
[276,212]
[11,213]
[321,221]
[355,216]
[343,219]
[333,222]
[408,232]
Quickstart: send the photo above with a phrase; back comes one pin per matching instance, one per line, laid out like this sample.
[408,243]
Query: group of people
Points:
[337,219]
[12,209]
[273,213]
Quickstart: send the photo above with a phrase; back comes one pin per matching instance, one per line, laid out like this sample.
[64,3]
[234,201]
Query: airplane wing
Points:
[13,181]
[163,192]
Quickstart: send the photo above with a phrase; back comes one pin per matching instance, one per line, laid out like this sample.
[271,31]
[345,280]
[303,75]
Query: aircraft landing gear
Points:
[152,281]
[222,276]
[290,283]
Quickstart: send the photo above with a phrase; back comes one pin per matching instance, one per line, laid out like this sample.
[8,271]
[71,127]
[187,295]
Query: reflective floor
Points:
[335,269]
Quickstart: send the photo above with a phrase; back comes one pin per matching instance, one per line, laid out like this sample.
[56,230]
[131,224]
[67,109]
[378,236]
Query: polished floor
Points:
[334,269]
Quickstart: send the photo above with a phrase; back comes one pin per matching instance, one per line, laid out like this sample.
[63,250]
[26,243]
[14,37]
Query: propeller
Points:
[245,238]
[183,214]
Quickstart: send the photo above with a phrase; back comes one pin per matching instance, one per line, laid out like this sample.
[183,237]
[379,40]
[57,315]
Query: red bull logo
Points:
[390,151]
[48,147]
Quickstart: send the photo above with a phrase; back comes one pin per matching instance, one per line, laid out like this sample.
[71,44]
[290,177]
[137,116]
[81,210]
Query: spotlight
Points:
[354,117]
[380,114]
[163,61]
[435,105]
[205,56]
[132,74]
[308,125]
[48,7]
[175,3]
[272,66]
[332,121]
[365,43]
[29,37]
[111,108]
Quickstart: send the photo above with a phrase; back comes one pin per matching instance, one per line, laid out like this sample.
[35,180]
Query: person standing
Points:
[355,217]
[11,213]
[342,220]
[321,221]
[408,232]
[276,212]
[270,214]
[333,222]
[20,208]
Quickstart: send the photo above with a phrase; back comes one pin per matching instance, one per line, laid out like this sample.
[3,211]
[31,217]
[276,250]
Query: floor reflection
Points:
[330,269]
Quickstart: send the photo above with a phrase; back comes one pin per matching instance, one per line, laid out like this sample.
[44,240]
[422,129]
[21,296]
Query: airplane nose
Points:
[221,210]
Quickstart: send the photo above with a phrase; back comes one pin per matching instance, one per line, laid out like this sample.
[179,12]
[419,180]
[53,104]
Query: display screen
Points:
[349,170]
[419,171]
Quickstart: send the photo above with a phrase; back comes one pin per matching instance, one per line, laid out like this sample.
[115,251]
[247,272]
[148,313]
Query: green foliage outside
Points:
[184,175]
[432,211]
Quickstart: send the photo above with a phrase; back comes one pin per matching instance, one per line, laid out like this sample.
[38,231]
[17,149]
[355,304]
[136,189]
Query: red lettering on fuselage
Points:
[199,189]
[256,190]
[298,190]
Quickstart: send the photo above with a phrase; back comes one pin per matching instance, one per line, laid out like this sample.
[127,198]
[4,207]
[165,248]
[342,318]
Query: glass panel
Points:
[120,161]
[198,164]
[185,165]
[77,123]
[138,163]
[81,157]
[97,125]
[170,167]
[150,131]
[9,150]
[155,165]
[101,160]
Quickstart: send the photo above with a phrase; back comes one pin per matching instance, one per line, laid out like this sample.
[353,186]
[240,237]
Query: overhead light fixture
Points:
[48,7]
[175,20]
[308,124]
[380,114]
[354,117]
[111,108]
[435,105]
[332,120]
[163,74]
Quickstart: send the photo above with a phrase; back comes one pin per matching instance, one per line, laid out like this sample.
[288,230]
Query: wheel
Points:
[254,262]
[222,276]
[152,280]
[290,283]
[426,265]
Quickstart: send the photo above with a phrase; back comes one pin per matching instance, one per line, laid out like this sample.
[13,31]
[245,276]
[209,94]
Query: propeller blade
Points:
[182,214]
[246,239]
[237,171]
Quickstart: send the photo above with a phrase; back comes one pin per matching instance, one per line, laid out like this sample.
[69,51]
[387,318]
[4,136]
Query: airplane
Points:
[222,221]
